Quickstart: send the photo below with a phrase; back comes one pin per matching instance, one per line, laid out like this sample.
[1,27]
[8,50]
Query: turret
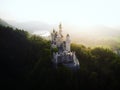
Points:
[53,35]
[68,41]
[60,29]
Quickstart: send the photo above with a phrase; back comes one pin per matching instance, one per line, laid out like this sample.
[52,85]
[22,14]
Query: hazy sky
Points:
[75,12]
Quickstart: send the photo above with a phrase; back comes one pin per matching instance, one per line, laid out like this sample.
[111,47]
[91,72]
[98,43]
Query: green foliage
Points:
[25,63]
[54,49]
[98,68]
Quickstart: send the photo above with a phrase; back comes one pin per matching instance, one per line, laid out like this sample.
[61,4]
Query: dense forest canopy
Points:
[25,63]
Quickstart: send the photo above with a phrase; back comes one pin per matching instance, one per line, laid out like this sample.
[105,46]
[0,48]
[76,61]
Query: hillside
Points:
[96,36]
[25,63]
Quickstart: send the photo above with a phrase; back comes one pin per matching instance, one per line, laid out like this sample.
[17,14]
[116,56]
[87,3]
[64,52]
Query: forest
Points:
[25,63]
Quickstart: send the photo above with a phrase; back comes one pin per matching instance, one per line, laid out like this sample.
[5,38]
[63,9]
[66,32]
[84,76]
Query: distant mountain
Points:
[32,26]
[4,23]
[96,36]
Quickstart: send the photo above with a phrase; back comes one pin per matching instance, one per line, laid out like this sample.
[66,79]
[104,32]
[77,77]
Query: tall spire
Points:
[60,28]
[53,30]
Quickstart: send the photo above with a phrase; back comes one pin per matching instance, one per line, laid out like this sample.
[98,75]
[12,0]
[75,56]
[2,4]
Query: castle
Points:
[62,54]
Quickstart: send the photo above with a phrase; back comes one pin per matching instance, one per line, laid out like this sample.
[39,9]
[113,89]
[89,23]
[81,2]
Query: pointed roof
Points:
[60,26]
[67,35]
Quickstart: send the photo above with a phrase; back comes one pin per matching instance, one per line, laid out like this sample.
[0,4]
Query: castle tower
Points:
[58,40]
[60,29]
[68,42]
[53,35]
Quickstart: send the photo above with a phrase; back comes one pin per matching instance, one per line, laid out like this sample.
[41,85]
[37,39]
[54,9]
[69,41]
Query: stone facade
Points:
[63,55]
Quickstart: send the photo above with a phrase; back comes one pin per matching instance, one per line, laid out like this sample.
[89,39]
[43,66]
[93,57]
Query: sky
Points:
[74,12]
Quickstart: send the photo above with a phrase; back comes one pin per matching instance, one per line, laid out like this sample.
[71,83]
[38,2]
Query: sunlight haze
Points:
[73,12]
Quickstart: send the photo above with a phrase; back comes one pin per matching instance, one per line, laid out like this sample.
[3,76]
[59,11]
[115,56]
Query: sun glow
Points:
[74,12]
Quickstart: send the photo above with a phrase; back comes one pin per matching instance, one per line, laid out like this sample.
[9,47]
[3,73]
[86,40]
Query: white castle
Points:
[63,55]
